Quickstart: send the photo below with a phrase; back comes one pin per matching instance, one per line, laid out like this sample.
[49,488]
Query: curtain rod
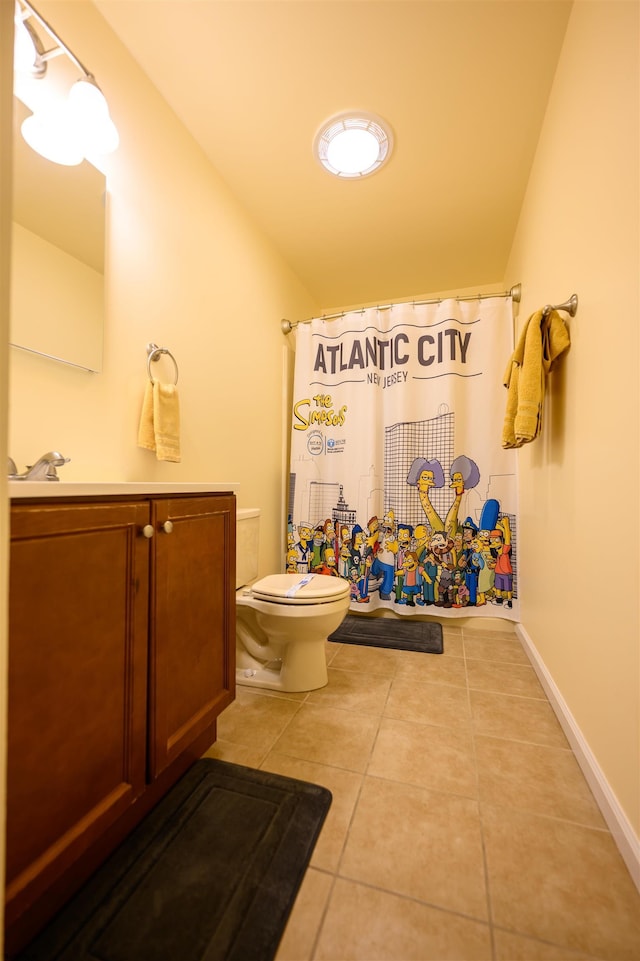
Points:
[515,293]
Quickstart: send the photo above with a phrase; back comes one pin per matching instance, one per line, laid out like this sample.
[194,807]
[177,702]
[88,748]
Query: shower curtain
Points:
[398,479]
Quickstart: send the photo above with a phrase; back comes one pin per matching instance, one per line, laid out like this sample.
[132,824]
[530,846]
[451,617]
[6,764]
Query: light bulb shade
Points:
[53,137]
[353,145]
[353,151]
[101,138]
[90,113]
[86,100]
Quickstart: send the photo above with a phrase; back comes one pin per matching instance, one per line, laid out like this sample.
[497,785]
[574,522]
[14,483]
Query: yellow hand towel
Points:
[166,422]
[511,383]
[146,435]
[159,428]
[527,423]
[543,339]
[555,340]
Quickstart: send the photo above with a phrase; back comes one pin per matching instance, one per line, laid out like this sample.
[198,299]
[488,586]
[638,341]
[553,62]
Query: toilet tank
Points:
[247,539]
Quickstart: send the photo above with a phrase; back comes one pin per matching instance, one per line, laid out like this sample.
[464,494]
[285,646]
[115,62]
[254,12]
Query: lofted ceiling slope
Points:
[463,83]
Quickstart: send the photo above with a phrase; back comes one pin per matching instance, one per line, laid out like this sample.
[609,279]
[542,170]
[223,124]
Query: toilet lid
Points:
[300,588]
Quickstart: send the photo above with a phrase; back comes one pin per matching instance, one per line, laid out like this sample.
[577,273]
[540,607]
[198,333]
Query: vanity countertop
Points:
[40,489]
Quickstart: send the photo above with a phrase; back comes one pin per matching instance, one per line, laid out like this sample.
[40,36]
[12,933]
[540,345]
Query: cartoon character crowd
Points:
[441,563]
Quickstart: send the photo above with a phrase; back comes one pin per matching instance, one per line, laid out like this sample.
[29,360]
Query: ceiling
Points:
[463,84]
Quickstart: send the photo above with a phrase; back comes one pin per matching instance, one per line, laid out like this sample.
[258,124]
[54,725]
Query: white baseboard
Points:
[621,830]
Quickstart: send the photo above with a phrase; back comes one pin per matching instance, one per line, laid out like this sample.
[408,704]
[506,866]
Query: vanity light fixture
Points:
[28,49]
[80,125]
[353,145]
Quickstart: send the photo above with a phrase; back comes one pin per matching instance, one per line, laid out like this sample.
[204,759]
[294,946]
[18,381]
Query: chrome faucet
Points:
[44,469]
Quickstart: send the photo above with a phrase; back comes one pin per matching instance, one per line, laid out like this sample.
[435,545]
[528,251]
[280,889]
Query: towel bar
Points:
[153,355]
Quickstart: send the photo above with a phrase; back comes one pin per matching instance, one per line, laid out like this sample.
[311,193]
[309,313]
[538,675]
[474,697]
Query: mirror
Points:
[57,275]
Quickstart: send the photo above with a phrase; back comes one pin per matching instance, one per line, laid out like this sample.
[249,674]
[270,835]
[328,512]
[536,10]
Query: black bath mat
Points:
[211,874]
[394,633]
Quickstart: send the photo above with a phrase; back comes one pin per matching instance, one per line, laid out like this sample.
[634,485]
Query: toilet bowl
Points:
[283,621]
[282,624]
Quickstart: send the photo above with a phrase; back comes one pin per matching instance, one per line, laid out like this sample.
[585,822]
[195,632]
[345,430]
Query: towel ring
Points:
[153,355]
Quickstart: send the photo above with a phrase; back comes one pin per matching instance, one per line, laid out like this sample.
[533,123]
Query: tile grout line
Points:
[432,905]
[336,873]
[485,864]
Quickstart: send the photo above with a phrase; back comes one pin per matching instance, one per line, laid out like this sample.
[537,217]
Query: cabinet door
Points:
[78,604]
[192,649]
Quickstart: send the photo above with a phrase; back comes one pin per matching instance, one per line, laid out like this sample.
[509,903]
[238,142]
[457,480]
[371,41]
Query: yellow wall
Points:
[186,269]
[578,536]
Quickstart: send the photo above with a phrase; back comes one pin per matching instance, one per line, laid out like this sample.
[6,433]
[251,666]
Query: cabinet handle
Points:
[148,531]
[167,527]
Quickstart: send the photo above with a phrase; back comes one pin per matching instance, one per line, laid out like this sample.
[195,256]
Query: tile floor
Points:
[461,825]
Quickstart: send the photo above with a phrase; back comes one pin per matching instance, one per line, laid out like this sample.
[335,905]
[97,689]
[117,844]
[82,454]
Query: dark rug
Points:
[394,633]
[211,874]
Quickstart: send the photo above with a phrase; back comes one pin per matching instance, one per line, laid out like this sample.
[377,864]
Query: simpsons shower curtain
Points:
[398,481]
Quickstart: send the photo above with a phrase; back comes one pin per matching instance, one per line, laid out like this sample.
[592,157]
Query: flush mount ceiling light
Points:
[77,127]
[353,145]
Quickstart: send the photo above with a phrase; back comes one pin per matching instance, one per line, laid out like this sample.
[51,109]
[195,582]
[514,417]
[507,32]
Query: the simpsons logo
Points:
[318,410]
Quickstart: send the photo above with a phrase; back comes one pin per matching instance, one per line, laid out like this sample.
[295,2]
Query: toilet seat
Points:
[300,588]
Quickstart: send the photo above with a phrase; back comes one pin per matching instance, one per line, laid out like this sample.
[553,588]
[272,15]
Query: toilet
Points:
[282,620]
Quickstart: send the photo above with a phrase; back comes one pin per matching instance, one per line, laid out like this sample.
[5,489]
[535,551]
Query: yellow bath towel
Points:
[159,428]
[544,338]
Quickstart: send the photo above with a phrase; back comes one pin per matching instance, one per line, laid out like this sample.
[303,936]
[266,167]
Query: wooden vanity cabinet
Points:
[121,656]
[192,622]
